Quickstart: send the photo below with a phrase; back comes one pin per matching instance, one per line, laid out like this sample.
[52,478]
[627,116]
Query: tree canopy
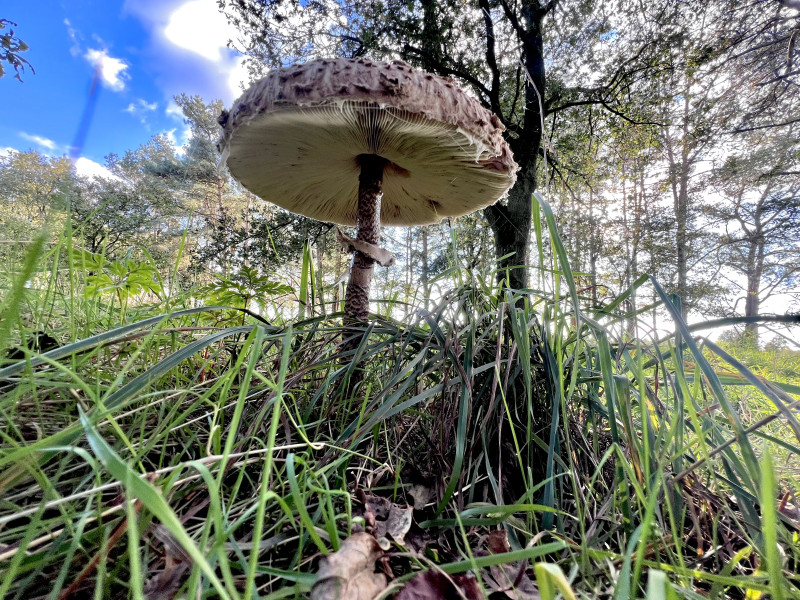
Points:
[533,63]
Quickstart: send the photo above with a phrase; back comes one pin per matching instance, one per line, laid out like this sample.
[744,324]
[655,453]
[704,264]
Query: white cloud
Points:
[7,151]
[38,140]
[187,48]
[86,167]
[75,48]
[180,144]
[174,111]
[239,78]
[199,27]
[140,108]
[170,133]
[113,71]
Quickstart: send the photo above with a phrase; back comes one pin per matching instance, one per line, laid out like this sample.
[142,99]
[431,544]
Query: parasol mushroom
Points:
[360,142]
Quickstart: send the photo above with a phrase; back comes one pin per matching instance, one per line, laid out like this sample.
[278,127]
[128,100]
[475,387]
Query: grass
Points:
[205,451]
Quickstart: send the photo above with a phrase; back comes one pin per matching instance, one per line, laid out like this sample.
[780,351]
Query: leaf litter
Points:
[350,571]
[360,570]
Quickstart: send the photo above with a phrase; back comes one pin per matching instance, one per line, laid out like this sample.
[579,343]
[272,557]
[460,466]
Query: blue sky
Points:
[145,51]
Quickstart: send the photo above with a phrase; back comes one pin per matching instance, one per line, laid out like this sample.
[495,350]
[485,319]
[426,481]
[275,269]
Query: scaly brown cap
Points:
[294,138]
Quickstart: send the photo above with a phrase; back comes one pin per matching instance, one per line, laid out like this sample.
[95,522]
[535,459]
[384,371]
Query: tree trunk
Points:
[337,274]
[511,225]
[636,234]
[679,182]
[425,288]
[319,276]
[594,250]
[755,271]
[247,216]
[752,302]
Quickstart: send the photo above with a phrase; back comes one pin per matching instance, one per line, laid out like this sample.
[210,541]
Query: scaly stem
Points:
[356,300]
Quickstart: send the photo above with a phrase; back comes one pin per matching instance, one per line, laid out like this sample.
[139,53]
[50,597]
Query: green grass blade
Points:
[151,498]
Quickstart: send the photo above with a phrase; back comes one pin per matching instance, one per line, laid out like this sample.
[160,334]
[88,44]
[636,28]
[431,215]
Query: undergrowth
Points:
[184,449]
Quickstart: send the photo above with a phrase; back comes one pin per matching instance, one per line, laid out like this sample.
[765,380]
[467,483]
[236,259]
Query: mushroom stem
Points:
[356,300]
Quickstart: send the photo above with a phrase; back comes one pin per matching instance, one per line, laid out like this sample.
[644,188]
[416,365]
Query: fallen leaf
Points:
[349,573]
[498,542]
[417,540]
[510,578]
[396,525]
[435,585]
[166,583]
[515,584]
[387,520]
[421,494]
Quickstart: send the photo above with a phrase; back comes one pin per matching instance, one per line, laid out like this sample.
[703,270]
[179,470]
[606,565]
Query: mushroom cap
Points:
[294,138]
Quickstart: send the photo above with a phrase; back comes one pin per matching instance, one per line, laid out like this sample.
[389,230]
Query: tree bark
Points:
[680,170]
[755,267]
[752,304]
[426,292]
[511,226]
[511,223]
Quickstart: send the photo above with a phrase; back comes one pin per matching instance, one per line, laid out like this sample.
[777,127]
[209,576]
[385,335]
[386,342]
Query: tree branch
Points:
[491,58]
[511,15]
[777,174]
[517,90]
[605,105]
[443,69]
[548,7]
[759,127]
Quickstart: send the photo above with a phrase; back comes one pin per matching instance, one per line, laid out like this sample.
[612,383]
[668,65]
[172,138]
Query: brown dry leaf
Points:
[509,578]
[166,583]
[469,586]
[396,525]
[498,542]
[789,510]
[421,494]
[417,540]
[512,581]
[375,507]
[349,573]
[386,519]
[435,585]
